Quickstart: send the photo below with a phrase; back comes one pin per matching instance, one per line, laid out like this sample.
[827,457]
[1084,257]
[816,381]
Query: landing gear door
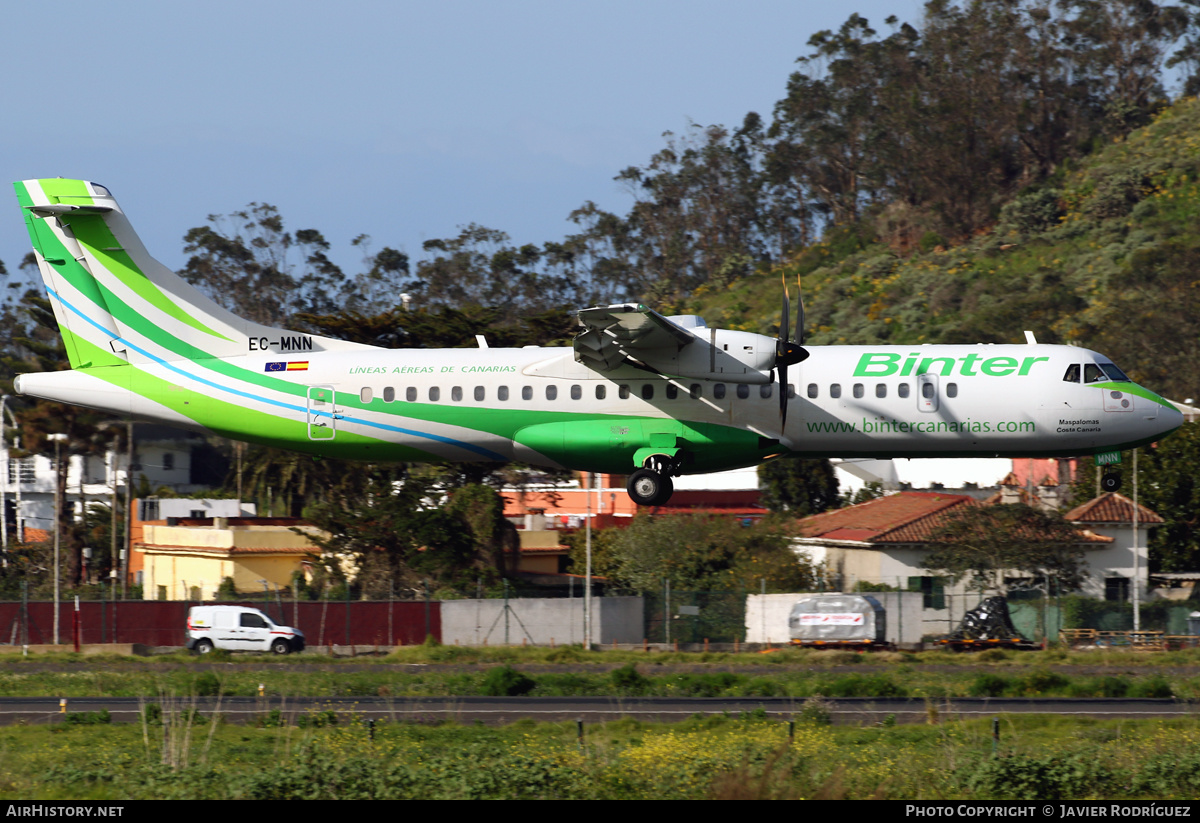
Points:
[321,413]
[927,392]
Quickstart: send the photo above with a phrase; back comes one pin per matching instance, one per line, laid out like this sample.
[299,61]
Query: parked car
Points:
[239,629]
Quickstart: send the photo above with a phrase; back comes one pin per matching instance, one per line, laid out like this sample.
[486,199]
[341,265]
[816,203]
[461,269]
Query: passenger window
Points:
[813,391]
[456,394]
[601,391]
[695,391]
[435,394]
[952,390]
[647,391]
[576,391]
[552,392]
[480,393]
[766,390]
[903,390]
[791,391]
[881,389]
[743,391]
[502,393]
[858,390]
[410,394]
[1072,375]
[719,391]
[927,391]
[365,394]
[623,391]
[835,390]
[672,391]
[527,392]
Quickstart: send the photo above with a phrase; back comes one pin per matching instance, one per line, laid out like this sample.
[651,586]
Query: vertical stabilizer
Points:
[115,303]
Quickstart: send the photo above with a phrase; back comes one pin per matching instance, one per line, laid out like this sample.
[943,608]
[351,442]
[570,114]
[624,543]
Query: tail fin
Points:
[115,303]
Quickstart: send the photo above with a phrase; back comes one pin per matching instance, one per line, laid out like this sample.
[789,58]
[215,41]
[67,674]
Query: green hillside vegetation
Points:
[1100,255]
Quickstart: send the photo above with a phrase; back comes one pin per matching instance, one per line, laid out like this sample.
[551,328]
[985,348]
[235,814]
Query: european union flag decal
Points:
[276,367]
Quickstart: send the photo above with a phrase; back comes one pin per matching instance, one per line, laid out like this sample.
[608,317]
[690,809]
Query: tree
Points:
[35,345]
[1168,486]
[696,553]
[797,486]
[246,262]
[496,539]
[393,535]
[983,544]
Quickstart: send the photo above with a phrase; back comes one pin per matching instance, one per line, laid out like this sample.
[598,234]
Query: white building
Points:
[162,456]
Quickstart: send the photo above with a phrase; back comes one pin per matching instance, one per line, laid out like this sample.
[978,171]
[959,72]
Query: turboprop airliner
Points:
[637,393]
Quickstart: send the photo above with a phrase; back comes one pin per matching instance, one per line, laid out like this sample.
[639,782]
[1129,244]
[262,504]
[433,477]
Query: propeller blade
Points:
[788,352]
[799,311]
[783,398]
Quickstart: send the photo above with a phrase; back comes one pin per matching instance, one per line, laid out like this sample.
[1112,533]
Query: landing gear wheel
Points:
[1110,481]
[649,488]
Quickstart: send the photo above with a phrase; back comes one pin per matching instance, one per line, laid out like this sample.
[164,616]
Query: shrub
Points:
[628,680]
[816,711]
[505,681]
[989,685]
[1052,777]
[1156,686]
[207,684]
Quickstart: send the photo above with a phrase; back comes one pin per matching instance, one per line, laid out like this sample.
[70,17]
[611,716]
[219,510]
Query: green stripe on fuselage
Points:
[1134,388]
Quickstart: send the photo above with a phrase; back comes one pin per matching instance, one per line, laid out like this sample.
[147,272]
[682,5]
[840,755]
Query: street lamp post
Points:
[57,439]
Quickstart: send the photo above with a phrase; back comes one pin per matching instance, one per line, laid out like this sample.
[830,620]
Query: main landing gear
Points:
[651,485]
[1110,481]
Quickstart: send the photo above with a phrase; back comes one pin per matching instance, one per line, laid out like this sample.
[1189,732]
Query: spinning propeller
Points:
[789,352]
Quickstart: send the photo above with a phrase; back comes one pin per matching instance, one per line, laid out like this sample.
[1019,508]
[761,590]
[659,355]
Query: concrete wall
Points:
[767,616]
[540,621]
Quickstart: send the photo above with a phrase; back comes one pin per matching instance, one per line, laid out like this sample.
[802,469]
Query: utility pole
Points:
[59,485]
[1137,552]
[587,577]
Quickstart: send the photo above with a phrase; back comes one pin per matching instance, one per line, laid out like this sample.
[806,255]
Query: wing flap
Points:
[614,335]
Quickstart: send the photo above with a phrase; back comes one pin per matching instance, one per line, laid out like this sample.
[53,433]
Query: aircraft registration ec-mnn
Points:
[637,393]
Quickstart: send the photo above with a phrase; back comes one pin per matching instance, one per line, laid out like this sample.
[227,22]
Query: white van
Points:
[239,629]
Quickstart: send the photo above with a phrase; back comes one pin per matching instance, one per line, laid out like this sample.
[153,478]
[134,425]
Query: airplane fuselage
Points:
[540,406]
[637,393]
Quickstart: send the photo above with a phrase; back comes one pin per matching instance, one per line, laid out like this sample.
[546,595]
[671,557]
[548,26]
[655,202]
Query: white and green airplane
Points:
[638,393]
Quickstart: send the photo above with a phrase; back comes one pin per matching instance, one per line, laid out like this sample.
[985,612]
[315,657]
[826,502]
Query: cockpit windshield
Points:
[1095,373]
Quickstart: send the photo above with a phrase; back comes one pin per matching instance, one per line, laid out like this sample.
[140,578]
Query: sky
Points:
[399,120]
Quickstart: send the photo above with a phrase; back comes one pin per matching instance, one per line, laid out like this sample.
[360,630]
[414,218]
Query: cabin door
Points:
[321,413]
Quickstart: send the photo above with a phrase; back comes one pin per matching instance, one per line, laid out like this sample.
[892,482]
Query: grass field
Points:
[170,756]
[571,671]
[175,753]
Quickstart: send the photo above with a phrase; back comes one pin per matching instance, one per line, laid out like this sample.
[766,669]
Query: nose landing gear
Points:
[1110,481]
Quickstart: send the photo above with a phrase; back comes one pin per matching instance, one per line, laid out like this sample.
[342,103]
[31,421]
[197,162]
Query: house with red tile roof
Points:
[885,541]
[1111,515]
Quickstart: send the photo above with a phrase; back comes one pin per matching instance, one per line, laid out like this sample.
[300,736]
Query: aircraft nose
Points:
[1169,419]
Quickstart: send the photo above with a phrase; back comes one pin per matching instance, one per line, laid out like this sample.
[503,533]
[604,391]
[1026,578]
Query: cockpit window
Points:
[1093,374]
[1114,373]
[1072,375]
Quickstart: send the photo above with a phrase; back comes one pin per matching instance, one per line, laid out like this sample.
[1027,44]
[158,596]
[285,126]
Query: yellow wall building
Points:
[189,562]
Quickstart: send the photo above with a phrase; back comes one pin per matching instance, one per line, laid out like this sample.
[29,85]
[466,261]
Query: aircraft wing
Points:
[616,334]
